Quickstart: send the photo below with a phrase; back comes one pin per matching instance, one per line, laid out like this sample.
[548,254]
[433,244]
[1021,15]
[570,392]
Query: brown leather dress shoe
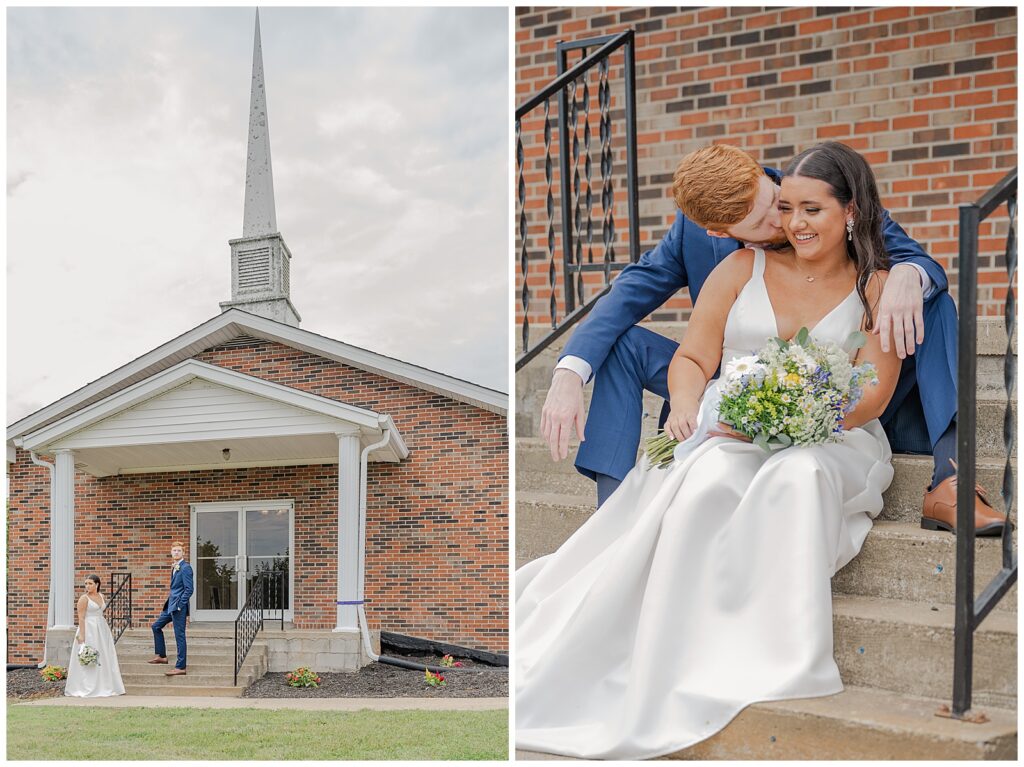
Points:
[940,510]
[175,672]
[157,659]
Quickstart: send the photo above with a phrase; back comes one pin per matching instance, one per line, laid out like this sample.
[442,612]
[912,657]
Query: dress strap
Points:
[759,260]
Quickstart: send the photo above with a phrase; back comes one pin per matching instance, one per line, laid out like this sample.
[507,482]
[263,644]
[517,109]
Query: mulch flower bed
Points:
[379,680]
[26,683]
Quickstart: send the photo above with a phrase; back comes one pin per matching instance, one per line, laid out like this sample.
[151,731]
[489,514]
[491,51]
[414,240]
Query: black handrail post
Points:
[563,169]
[631,180]
[963,651]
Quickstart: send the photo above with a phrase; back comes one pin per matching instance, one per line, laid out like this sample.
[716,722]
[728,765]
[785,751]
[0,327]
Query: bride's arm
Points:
[83,605]
[700,352]
[887,364]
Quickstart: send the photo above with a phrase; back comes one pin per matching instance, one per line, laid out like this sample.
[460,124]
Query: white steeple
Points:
[260,217]
[260,260]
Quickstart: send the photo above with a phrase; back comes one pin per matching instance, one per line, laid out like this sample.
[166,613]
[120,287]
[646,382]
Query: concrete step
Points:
[536,472]
[194,653]
[532,384]
[898,561]
[855,724]
[907,647]
[185,690]
[204,666]
[193,679]
[989,417]
[903,562]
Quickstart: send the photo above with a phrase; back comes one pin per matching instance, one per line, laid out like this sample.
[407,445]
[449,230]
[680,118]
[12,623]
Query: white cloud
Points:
[126,153]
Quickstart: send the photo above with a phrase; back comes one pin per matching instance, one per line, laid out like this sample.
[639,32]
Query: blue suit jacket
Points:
[685,258]
[181,589]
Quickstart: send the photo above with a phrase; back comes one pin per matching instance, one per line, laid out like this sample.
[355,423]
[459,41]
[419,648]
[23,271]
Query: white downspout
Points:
[363,625]
[49,597]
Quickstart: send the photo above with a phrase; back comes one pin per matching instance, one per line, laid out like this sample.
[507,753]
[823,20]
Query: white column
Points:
[348,530]
[62,551]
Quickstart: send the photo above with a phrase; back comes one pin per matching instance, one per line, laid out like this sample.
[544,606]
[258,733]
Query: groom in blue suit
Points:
[176,609]
[624,358]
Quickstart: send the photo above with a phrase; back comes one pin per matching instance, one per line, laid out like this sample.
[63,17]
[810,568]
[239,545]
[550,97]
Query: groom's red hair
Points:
[179,544]
[715,186]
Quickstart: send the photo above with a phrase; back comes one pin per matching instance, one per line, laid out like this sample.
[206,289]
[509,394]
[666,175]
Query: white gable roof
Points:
[173,416]
[234,323]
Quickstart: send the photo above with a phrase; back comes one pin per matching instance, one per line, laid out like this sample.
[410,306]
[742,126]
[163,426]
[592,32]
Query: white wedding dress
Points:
[701,588]
[104,678]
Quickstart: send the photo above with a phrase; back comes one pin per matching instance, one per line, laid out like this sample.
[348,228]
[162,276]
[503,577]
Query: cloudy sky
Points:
[126,170]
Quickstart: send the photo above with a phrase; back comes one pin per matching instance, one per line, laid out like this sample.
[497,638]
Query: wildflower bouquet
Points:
[790,393]
[88,655]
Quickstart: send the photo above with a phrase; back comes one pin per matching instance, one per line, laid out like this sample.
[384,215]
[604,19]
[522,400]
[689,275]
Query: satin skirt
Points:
[693,592]
[103,679]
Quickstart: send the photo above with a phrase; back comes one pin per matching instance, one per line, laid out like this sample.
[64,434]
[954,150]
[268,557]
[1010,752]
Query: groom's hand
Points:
[901,311]
[563,411]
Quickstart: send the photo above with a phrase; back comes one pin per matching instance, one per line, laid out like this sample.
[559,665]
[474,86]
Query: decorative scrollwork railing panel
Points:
[118,610]
[575,231]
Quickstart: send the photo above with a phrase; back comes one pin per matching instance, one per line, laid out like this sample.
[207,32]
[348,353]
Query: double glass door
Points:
[232,544]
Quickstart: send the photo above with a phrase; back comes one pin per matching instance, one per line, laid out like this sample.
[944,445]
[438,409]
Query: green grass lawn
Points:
[35,732]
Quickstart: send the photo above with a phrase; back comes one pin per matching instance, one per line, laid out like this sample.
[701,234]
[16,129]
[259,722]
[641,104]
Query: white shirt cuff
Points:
[927,286]
[577,365]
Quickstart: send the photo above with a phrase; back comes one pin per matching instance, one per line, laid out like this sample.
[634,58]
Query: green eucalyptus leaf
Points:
[801,337]
[855,340]
[784,439]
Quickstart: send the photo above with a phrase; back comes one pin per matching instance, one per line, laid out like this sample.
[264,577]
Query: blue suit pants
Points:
[178,617]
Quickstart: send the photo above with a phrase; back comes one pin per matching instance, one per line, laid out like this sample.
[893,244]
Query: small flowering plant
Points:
[449,662]
[88,656]
[434,680]
[790,393]
[53,673]
[302,677]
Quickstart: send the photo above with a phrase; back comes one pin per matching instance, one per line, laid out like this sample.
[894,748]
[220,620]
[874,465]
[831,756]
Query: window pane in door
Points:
[216,534]
[275,579]
[266,532]
[216,584]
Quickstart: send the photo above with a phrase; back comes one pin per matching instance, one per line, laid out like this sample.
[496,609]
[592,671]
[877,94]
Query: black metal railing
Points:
[119,607]
[971,611]
[574,102]
[249,622]
[275,593]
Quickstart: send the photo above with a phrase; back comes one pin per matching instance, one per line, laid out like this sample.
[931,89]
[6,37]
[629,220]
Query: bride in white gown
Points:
[103,678]
[701,588]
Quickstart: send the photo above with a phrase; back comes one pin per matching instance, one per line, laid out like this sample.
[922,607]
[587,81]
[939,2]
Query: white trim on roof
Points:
[351,416]
[233,323]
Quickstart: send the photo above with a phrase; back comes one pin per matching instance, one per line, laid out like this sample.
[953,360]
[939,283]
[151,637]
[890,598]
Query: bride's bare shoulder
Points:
[736,268]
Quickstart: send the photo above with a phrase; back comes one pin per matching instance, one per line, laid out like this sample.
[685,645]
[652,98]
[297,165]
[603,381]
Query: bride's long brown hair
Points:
[850,178]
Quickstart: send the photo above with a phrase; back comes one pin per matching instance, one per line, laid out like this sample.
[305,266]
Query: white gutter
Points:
[49,597]
[364,628]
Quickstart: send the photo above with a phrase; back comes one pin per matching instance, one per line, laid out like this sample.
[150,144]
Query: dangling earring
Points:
[849,229]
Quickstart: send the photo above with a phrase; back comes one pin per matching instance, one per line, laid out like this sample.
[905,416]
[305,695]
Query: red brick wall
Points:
[928,95]
[437,523]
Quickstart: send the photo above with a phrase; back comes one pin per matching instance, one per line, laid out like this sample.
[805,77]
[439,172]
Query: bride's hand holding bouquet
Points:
[795,392]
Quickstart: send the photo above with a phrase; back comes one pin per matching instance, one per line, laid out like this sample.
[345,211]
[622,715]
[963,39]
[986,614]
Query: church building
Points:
[343,478]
